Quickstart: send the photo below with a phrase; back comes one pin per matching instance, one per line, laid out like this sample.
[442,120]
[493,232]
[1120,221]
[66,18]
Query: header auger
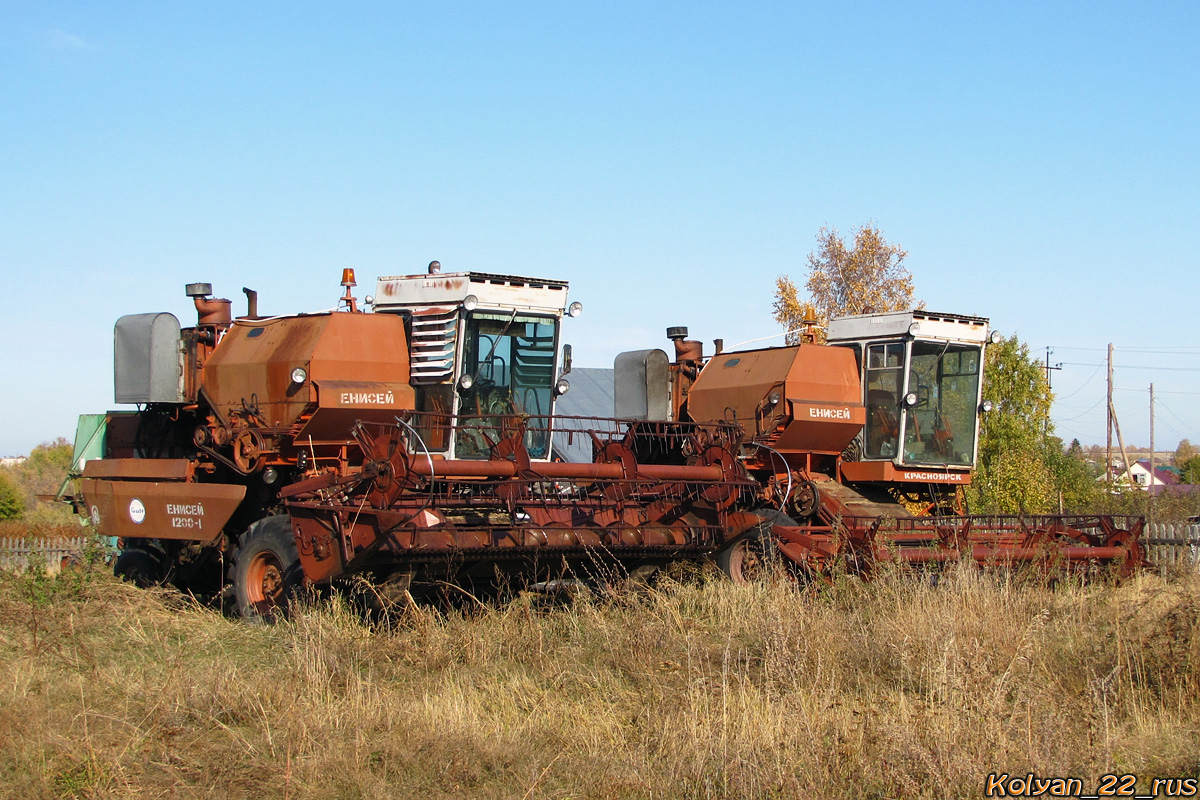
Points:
[416,444]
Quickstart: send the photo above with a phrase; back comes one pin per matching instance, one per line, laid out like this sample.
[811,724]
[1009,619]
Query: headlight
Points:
[910,399]
[470,302]
[299,375]
[562,387]
[465,382]
[575,309]
[986,406]
[995,337]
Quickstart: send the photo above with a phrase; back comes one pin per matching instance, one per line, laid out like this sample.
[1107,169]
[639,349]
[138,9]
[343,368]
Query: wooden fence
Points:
[1173,545]
[1166,545]
[48,554]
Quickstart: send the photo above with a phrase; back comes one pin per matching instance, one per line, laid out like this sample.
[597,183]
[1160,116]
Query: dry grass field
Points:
[693,689]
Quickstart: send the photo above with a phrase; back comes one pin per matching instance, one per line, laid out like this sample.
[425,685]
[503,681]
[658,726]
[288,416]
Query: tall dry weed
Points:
[697,689]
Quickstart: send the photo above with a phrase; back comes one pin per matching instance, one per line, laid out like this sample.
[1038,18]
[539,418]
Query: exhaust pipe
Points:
[251,303]
[685,349]
[210,312]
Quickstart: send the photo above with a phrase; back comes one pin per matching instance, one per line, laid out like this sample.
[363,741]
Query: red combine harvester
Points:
[413,445]
[889,410]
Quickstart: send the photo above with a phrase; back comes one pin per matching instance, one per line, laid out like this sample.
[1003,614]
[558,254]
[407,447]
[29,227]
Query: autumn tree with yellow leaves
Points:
[865,278]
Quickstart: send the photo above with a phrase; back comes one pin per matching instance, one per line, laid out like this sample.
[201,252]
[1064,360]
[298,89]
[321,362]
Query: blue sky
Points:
[1039,162]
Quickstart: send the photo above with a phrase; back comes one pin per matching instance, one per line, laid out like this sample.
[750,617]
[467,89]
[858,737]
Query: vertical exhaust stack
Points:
[251,303]
[689,356]
[685,349]
[210,312]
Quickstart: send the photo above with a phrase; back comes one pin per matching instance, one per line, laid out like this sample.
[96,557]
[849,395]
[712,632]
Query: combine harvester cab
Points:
[921,376]
[409,445]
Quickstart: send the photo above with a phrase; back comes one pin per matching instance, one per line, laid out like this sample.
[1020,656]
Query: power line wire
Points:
[1085,383]
[1119,349]
[1156,391]
[1170,411]
[1090,410]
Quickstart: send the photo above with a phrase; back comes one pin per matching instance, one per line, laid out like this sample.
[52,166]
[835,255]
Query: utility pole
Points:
[1049,368]
[1120,440]
[1114,423]
[1046,430]
[1150,503]
[1108,428]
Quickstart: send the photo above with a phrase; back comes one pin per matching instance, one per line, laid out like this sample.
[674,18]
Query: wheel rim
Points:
[747,562]
[264,582]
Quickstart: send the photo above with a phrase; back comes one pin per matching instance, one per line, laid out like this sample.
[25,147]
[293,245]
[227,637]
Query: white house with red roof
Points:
[1139,475]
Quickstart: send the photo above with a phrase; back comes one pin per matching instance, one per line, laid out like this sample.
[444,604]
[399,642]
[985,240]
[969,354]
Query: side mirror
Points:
[566,359]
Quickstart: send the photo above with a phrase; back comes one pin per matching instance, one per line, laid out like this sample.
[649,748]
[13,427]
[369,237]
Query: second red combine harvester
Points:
[413,445]
[845,438]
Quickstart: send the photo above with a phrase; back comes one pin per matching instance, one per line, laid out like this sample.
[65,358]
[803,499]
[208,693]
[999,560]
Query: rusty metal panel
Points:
[824,375]
[820,384]
[144,469]
[824,428]
[342,403]
[735,384]
[364,394]
[252,366]
[161,510]
[362,348]
[886,471]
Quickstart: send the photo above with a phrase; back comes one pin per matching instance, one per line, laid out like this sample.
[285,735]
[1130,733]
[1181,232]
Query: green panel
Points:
[89,440]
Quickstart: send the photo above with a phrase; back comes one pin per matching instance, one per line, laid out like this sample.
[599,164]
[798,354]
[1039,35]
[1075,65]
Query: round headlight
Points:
[562,387]
[466,382]
[995,337]
[470,302]
[986,405]
[299,375]
[910,399]
[914,329]
[575,309]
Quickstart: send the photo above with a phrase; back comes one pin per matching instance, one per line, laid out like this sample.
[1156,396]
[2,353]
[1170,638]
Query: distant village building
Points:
[1139,475]
[12,461]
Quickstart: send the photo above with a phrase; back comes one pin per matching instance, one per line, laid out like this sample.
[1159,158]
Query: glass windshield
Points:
[885,371]
[940,428]
[511,359]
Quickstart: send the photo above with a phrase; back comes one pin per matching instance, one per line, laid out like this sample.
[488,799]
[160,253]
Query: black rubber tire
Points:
[141,567]
[266,569]
[754,557]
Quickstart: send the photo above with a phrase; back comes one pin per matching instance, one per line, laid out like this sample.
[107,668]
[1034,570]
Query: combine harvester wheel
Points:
[266,569]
